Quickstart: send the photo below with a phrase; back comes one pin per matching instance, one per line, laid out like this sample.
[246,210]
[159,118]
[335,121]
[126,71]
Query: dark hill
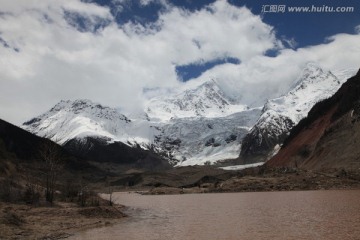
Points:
[85,158]
[100,151]
[21,148]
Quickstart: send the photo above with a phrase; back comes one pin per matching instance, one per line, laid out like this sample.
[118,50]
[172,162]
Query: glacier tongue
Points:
[192,141]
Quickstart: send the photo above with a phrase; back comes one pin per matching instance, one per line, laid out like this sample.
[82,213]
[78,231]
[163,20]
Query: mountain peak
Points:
[279,115]
[69,119]
[327,137]
[311,74]
[76,106]
[311,71]
[204,100]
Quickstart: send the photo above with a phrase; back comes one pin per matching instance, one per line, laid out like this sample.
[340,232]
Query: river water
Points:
[264,215]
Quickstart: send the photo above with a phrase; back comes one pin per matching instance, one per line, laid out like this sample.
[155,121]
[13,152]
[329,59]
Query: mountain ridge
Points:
[199,130]
[327,137]
[279,115]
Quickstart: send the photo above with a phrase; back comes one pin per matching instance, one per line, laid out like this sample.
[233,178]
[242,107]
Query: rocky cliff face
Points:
[329,136]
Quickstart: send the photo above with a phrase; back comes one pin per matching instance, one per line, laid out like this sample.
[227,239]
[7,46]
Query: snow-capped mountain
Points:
[206,100]
[279,115]
[197,125]
[328,136]
[200,124]
[184,141]
[82,118]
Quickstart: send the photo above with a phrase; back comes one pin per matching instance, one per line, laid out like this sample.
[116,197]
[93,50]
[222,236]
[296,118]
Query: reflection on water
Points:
[266,215]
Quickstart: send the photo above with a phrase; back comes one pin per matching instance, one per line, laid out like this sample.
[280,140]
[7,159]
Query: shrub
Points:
[32,194]
[10,191]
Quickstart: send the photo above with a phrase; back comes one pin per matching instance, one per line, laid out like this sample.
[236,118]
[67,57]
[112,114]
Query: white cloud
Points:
[146,2]
[264,77]
[357,29]
[88,9]
[56,61]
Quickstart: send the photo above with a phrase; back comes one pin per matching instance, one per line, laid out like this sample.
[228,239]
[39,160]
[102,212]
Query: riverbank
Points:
[20,221]
[262,180]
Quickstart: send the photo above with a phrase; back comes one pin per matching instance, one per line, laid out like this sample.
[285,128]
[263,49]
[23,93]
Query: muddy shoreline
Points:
[60,221]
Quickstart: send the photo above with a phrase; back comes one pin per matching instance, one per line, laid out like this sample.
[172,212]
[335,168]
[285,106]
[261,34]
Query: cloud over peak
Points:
[53,50]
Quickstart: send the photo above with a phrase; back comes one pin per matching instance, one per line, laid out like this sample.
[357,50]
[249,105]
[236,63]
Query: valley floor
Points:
[20,221]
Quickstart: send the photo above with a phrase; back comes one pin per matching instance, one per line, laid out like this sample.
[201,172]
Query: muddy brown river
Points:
[263,215]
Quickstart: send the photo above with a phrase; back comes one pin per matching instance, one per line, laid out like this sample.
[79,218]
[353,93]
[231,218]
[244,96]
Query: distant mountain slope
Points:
[279,115]
[329,136]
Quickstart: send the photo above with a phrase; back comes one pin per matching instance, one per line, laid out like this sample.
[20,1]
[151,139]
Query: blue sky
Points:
[305,28]
[122,52]
[308,28]
[297,30]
